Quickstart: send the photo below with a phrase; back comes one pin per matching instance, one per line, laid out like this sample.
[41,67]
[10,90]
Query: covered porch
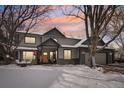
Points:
[48,52]
[26,54]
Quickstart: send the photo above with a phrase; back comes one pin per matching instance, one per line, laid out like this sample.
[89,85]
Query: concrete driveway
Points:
[27,78]
[57,76]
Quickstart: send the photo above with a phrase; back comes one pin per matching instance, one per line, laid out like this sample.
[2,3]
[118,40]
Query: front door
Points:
[45,57]
[49,57]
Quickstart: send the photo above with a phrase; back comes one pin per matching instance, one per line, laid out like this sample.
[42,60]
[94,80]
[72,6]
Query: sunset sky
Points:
[69,25]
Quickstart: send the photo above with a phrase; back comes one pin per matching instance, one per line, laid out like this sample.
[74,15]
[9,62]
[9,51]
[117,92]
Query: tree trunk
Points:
[92,56]
[93,61]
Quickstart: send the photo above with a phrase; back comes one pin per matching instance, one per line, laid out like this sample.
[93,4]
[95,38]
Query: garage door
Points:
[100,58]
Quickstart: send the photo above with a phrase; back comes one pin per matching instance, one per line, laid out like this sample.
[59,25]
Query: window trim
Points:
[70,55]
[29,37]
[25,53]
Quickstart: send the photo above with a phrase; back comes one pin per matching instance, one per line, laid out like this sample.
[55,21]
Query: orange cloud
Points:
[73,34]
[73,27]
[69,25]
[62,19]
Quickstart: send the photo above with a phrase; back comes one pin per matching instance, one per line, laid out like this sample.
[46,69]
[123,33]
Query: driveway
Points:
[26,77]
[56,76]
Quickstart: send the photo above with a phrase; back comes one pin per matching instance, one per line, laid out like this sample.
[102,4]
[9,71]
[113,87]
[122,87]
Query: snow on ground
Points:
[60,76]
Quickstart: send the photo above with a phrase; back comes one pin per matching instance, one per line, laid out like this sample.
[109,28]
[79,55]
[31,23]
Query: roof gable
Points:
[29,32]
[67,41]
[50,42]
[100,43]
[54,33]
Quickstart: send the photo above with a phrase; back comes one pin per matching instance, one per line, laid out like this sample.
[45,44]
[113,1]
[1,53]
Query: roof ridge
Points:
[49,39]
[54,29]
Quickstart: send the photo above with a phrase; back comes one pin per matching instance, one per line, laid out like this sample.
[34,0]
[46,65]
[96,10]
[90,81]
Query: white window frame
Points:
[30,37]
[25,54]
[68,54]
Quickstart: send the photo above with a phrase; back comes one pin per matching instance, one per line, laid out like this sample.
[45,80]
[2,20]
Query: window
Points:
[28,55]
[44,53]
[30,40]
[67,54]
[51,55]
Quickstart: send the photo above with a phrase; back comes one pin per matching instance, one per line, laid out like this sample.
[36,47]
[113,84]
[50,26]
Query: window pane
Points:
[28,55]
[51,55]
[56,54]
[67,54]
[29,39]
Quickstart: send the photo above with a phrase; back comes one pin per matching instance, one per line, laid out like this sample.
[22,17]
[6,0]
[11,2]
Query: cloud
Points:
[69,25]
[61,19]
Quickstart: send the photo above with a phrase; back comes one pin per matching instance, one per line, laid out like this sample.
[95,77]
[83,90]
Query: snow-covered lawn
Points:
[65,76]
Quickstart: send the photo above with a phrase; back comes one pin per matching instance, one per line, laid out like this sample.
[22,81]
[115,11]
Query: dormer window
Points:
[30,40]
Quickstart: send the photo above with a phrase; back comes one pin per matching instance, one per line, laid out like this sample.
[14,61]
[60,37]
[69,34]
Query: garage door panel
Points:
[100,58]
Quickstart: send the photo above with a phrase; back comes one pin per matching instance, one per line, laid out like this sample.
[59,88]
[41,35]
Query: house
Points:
[54,47]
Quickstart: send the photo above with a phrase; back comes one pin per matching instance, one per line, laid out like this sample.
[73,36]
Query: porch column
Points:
[57,55]
[18,55]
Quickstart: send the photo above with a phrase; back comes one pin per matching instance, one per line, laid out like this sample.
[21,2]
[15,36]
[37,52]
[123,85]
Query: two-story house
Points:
[54,47]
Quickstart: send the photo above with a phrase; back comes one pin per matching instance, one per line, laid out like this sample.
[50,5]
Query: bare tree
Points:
[96,19]
[120,42]
[116,23]
[12,18]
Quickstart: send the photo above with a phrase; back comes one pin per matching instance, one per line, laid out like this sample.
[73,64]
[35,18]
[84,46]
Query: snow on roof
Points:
[79,43]
[37,33]
[97,47]
[26,48]
[41,33]
[74,37]
[83,46]
[55,39]
[72,46]
[76,45]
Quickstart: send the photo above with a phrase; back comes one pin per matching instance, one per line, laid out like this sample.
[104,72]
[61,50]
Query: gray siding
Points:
[67,41]
[62,41]
[23,44]
[73,60]
[74,52]
[60,53]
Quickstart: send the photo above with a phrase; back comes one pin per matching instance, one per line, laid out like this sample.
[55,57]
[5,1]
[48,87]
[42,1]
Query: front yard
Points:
[65,76]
